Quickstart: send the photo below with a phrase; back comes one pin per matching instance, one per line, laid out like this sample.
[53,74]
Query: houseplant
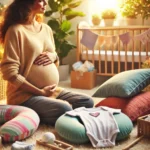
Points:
[128,11]
[96,19]
[108,15]
[59,14]
[134,8]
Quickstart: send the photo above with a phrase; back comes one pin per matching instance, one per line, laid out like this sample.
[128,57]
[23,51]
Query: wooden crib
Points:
[111,58]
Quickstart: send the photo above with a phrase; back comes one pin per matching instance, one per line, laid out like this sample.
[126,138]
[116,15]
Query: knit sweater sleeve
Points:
[10,63]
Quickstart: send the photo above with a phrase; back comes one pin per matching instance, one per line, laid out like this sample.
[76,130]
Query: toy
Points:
[49,140]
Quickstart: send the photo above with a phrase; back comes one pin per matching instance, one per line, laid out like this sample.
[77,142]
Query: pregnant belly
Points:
[42,76]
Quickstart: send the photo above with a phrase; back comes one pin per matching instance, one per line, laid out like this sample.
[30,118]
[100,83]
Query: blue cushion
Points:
[125,84]
[72,129]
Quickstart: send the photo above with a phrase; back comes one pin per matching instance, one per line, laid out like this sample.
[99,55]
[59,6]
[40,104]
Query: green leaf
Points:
[71,32]
[72,14]
[61,34]
[74,5]
[66,10]
[65,26]
[53,5]
[48,13]
[66,1]
[66,47]
[54,24]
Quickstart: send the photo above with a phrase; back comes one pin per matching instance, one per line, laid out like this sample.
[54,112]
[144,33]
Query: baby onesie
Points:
[100,124]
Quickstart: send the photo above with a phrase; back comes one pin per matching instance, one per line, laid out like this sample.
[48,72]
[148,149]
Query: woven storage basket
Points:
[3,85]
[143,126]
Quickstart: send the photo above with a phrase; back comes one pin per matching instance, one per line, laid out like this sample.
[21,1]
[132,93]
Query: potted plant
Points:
[128,11]
[59,14]
[96,19]
[137,7]
[108,15]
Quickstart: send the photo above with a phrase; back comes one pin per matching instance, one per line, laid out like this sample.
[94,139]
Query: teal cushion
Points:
[17,122]
[125,126]
[72,129]
[125,84]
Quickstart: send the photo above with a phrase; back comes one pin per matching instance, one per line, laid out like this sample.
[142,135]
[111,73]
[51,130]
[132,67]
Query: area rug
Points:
[142,145]
[120,145]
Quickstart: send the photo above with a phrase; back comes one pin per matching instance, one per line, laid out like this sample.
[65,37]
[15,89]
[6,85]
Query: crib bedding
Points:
[114,55]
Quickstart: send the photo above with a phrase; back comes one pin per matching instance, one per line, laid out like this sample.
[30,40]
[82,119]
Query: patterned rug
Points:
[142,145]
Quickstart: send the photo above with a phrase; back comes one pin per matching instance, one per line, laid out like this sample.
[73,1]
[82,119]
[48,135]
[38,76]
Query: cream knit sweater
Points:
[21,47]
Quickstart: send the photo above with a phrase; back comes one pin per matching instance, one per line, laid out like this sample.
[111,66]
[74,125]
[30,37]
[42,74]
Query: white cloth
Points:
[100,124]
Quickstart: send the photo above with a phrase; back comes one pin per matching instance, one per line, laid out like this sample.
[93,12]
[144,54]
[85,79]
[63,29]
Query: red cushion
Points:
[113,102]
[134,107]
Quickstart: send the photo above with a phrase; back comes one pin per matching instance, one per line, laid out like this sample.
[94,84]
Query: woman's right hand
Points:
[48,90]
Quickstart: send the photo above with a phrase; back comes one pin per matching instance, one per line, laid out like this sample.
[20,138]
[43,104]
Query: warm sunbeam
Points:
[96,6]
[107,4]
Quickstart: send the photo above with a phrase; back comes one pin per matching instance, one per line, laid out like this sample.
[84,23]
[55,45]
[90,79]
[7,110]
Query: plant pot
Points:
[132,21]
[96,21]
[63,72]
[146,22]
[109,22]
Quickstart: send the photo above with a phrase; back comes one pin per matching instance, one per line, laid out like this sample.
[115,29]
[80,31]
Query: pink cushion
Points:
[17,122]
[134,107]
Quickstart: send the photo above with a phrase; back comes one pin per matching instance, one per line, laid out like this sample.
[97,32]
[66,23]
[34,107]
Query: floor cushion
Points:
[17,122]
[124,84]
[71,128]
[134,107]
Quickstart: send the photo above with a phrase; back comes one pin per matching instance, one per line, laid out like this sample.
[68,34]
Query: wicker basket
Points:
[143,126]
[3,85]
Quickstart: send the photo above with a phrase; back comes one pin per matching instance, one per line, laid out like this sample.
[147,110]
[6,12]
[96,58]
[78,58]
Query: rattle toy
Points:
[49,140]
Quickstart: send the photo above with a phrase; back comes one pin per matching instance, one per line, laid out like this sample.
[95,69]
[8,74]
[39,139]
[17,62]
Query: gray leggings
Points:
[49,109]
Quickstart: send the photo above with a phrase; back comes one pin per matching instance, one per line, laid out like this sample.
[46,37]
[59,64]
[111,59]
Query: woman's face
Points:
[40,6]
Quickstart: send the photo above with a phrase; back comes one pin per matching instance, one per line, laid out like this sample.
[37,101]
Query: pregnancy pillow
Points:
[17,122]
[73,130]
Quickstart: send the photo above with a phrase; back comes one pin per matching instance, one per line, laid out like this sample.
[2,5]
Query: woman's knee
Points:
[64,107]
[83,101]
[90,103]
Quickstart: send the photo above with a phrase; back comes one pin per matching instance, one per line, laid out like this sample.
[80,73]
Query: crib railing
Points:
[111,58]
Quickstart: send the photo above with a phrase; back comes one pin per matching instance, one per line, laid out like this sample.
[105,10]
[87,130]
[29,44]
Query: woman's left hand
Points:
[45,58]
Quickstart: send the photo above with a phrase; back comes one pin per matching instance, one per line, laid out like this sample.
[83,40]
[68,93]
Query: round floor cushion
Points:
[17,122]
[72,129]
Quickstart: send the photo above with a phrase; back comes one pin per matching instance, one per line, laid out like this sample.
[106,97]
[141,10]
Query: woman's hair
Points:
[19,11]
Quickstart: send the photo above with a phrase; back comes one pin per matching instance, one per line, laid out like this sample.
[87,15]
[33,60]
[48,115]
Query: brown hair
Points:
[18,11]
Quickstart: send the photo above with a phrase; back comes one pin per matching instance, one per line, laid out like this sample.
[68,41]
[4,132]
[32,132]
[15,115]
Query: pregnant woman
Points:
[30,63]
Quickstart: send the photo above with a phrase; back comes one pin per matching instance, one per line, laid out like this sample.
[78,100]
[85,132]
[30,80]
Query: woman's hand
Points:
[48,90]
[45,58]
